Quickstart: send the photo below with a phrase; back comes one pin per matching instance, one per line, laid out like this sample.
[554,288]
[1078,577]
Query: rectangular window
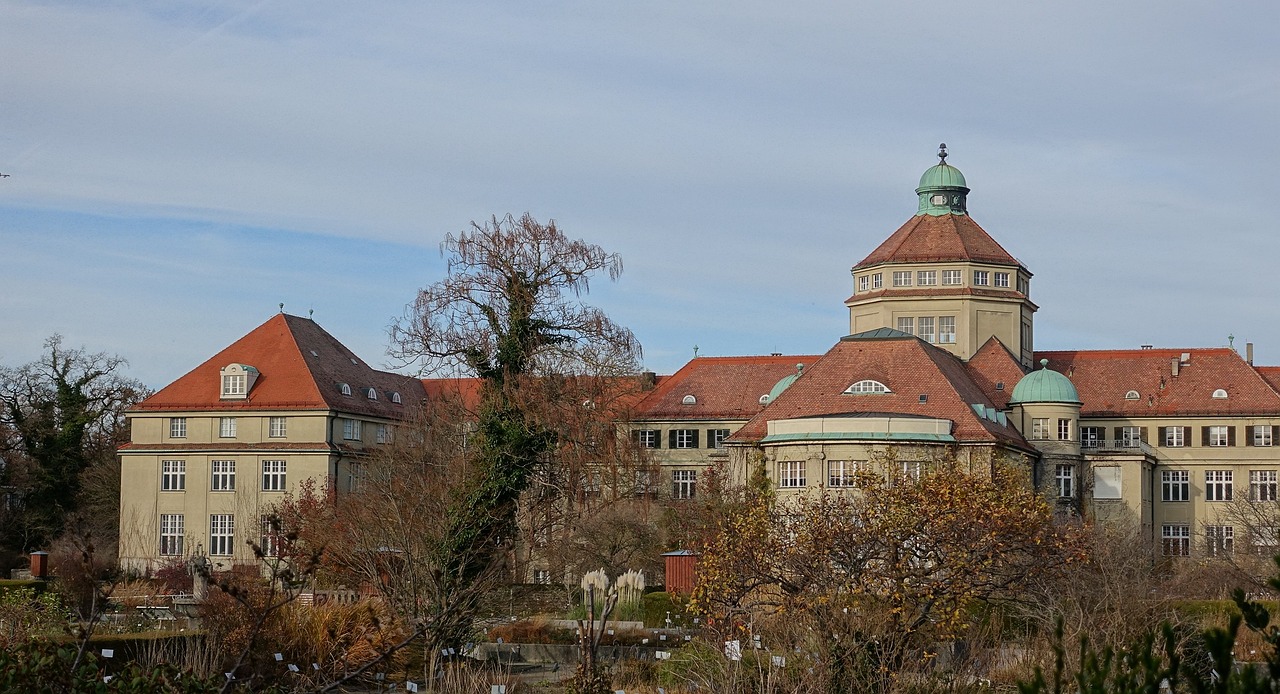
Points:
[542,577]
[842,473]
[173,475]
[1262,435]
[684,484]
[981,278]
[1039,428]
[683,438]
[1024,286]
[224,475]
[716,437]
[1219,436]
[1064,429]
[270,544]
[1175,485]
[946,330]
[907,325]
[927,278]
[912,470]
[951,277]
[1107,482]
[222,534]
[227,427]
[1175,437]
[273,475]
[1130,437]
[791,473]
[1002,279]
[864,283]
[1091,437]
[1262,485]
[355,473]
[172,530]
[902,279]
[877,281]
[233,385]
[177,427]
[1266,540]
[925,332]
[1217,485]
[278,427]
[1176,540]
[382,434]
[646,438]
[1220,540]
[645,488]
[351,429]
[1064,477]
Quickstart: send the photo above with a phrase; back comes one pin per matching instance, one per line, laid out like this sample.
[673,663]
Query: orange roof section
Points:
[723,387]
[1104,377]
[995,370]
[930,239]
[300,367]
[909,367]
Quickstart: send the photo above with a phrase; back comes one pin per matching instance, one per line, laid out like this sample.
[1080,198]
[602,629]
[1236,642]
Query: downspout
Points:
[330,420]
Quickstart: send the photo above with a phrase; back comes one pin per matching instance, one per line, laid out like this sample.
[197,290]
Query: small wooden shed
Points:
[682,570]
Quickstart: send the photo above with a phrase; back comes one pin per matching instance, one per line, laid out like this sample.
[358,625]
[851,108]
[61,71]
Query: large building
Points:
[940,361]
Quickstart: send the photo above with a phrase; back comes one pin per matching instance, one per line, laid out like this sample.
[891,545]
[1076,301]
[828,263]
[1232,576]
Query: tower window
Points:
[902,279]
[927,278]
[981,278]
[1001,279]
[951,277]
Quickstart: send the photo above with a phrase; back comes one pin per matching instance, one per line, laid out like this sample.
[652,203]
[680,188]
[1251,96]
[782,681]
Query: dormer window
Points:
[1132,395]
[236,381]
[689,400]
[345,389]
[1220,394]
[867,387]
[395,397]
[371,394]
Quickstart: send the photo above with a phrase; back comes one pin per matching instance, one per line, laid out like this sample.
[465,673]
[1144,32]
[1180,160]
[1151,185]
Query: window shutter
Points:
[694,443]
[671,438]
[1204,436]
[1186,436]
[1162,436]
[1248,436]
[1119,434]
[1142,434]
[1275,434]
[711,436]
[1231,436]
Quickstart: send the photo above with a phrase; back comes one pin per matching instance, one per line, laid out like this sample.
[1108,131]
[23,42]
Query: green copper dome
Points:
[1044,385]
[785,383]
[942,188]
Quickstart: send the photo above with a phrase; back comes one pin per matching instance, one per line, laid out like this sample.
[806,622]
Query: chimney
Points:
[1248,352]
[1174,365]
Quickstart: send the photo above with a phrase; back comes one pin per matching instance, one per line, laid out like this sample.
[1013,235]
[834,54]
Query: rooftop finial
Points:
[942,153]
[281,307]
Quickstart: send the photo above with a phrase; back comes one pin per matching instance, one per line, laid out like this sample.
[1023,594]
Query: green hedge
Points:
[7,585]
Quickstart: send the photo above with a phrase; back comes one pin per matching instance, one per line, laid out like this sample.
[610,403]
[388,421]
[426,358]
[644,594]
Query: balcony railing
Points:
[1116,446]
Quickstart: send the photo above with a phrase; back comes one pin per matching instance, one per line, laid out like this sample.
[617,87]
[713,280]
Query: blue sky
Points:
[178,169]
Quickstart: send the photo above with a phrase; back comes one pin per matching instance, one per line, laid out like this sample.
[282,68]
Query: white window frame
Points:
[791,473]
[926,278]
[646,438]
[1092,437]
[226,427]
[172,533]
[902,278]
[907,324]
[382,434]
[1130,437]
[1064,429]
[1262,435]
[684,484]
[271,536]
[1175,540]
[173,475]
[278,427]
[1218,485]
[355,475]
[1064,478]
[685,438]
[542,577]
[1219,540]
[352,429]
[952,278]
[843,474]
[1000,279]
[222,475]
[234,385]
[716,437]
[222,534]
[1265,540]
[877,281]
[981,278]
[1039,428]
[946,330]
[1219,436]
[177,427]
[1262,485]
[1175,485]
[924,329]
[274,475]
[864,283]
[1175,437]
[867,386]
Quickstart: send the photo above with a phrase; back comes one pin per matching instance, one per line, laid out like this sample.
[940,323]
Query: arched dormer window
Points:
[867,387]
[236,381]
[1220,394]
[395,397]
[1132,395]
[345,389]
[371,394]
[689,400]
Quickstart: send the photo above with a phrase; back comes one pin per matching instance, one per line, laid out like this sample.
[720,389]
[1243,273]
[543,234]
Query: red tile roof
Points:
[724,387]
[1103,377]
[1271,374]
[928,239]
[909,367]
[300,366]
[993,364]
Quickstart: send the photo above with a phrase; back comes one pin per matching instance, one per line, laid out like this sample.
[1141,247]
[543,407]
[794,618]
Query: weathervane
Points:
[695,351]
[942,153]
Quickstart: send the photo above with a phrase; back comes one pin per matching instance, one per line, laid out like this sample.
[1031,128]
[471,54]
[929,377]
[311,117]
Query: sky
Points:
[177,170]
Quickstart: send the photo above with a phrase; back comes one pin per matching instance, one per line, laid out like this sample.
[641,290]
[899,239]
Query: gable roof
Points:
[931,239]
[300,367]
[1103,377]
[909,367]
[994,365]
[723,387]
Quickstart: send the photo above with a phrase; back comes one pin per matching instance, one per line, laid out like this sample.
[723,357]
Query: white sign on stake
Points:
[498,689]
[293,668]
[688,637]
[611,632]
[108,653]
[779,661]
[733,650]
[662,655]
[230,675]
[279,657]
[315,666]
[411,686]
[107,679]
[662,637]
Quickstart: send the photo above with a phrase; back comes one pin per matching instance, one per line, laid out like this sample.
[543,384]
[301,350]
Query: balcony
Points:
[1127,446]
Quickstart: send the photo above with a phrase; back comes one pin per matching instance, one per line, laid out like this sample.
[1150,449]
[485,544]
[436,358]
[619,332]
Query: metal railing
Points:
[1116,446]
